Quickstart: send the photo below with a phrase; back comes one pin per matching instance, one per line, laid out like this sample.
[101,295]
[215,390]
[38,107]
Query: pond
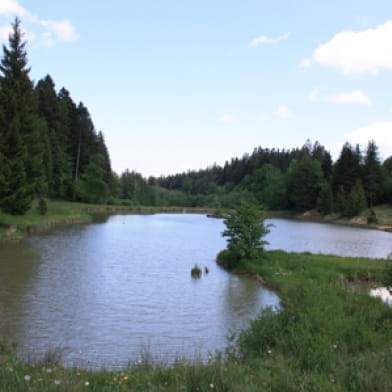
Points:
[107,293]
[114,291]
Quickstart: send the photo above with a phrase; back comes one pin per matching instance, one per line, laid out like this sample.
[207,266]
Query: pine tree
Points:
[17,198]
[356,200]
[347,169]
[20,125]
[304,183]
[387,183]
[58,164]
[372,174]
[325,199]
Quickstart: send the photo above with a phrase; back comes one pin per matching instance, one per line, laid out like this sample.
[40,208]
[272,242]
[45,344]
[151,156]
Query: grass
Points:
[382,212]
[329,336]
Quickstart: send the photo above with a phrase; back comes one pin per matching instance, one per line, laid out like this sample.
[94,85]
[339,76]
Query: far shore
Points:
[383,213]
[61,213]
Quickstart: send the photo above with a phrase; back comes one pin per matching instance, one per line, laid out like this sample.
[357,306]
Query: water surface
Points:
[107,292]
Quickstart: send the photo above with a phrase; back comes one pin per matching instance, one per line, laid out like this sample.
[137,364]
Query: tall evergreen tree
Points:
[58,163]
[372,174]
[387,184]
[304,183]
[20,125]
[325,199]
[18,196]
[347,169]
[356,200]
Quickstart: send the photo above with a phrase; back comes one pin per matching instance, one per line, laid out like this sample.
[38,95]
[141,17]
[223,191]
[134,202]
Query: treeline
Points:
[300,179]
[48,144]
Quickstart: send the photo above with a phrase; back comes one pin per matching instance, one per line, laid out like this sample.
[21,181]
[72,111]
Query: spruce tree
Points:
[58,162]
[304,183]
[18,196]
[356,200]
[347,169]
[20,125]
[325,199]
[372,174]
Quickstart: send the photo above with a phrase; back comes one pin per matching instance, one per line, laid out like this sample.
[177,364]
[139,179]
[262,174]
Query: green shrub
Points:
[42,206]
[196,271]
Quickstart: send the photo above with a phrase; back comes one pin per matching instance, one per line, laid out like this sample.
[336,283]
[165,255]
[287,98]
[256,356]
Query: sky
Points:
[178,85]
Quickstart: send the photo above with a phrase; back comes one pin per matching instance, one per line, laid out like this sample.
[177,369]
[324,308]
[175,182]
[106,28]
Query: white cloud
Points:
[314,95]
[58,31]
[390,109]
[42,32]
[267,40]
[356,97]
[226,118]
[305,63]
[12,7]
[380,132]
[5,32]
[284,112]
[367,51]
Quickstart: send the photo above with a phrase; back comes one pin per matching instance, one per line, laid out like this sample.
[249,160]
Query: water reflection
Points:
[105,291]
[19,265]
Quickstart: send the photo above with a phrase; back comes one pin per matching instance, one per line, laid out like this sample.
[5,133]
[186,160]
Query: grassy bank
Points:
[14,228]
[383,214]
[329,336]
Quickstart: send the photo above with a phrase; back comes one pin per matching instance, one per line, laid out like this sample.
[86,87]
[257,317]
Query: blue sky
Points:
[177,85]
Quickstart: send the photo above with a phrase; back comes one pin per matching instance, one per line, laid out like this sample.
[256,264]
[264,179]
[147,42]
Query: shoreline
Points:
[313,216]
[15,229]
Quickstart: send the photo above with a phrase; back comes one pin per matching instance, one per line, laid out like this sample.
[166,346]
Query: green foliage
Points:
[18,196]
[42,206]
[356,200]
[47,143]
[92,186]
[196,271]
[347,169]
[372,217]
[372,175]
[387,278]
[269,186]
[304,183]
[245,228]
[325,199]
[18,128]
